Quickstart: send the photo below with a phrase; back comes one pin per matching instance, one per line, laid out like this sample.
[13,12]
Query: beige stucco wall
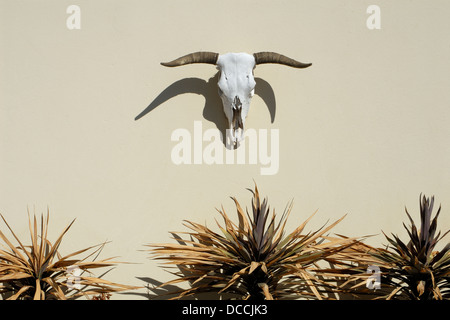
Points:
[362,132]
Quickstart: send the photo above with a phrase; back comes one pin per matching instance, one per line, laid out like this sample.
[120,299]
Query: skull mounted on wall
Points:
[236,81]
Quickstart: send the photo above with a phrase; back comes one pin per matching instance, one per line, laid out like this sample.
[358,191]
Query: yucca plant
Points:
[252,259]
[38,271]
[413,270]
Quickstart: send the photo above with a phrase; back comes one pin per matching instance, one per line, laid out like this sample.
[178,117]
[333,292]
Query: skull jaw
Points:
[236,112]
[236,124]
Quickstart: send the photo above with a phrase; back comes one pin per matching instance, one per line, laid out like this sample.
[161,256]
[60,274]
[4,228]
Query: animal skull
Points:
[236,82]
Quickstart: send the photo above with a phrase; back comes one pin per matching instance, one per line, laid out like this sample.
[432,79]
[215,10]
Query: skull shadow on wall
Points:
[229,92]
[212,110]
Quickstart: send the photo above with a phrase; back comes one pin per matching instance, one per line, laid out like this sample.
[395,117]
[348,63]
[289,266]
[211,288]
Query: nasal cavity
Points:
[237,103]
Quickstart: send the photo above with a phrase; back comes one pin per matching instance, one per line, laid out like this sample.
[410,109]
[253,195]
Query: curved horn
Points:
[272,57]
[196,57]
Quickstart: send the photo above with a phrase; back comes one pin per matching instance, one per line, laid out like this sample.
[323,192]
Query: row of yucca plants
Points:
[253,258]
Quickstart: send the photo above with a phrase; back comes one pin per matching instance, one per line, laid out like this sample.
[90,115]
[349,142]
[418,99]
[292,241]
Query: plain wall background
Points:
[363,131]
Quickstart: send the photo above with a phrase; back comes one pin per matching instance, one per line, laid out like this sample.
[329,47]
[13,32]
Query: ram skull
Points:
[236,81]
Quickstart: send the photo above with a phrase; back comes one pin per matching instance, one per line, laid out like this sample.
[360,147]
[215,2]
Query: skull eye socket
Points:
[222,75]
